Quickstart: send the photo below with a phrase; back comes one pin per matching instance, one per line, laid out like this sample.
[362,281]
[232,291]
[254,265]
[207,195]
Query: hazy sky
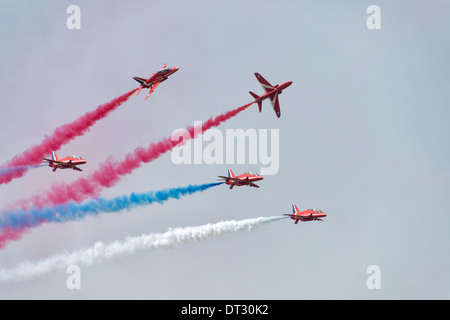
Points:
[363,135]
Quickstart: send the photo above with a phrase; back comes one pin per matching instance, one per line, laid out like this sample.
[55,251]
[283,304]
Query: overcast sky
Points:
[363,136]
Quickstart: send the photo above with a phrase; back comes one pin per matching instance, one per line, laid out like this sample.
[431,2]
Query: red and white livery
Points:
[69,162]
[245,179]
[271,92]
[307,215]
[155,79]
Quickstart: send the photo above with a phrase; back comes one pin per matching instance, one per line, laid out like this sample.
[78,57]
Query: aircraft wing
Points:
[275,104]
[76,168]
[299,215]
[54,161]
[229,178]
[152,89]
[264,83]
[253,185]
[292,216]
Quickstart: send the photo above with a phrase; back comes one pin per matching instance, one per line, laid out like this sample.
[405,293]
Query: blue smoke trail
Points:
[20,218]
[13,170]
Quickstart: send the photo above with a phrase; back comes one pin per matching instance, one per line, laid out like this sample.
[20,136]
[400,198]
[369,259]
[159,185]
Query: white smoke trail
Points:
[102,252]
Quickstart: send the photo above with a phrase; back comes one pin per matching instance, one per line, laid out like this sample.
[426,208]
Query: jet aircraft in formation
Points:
[155,79]
[245,179]
[69,162]
[271,93]
[307,215]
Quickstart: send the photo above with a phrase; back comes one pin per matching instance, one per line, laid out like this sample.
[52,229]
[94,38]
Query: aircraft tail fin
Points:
[231,174]
[254,95]
[294,209]
[140,80]
[54,156]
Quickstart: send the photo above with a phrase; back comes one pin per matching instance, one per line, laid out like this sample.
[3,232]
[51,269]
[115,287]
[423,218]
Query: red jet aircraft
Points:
[307,215]
[272,93]
[245,179]
[155,79]
[69,162]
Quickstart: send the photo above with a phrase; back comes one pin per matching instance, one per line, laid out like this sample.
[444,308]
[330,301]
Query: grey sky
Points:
[363,136]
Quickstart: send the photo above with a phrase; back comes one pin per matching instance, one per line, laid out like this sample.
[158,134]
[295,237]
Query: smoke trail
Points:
[62,135]
[101,252]
[13,170]
[19,219]
[112,171]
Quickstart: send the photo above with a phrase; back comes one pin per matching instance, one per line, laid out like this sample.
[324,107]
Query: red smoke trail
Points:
[59,137]
[110,173]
